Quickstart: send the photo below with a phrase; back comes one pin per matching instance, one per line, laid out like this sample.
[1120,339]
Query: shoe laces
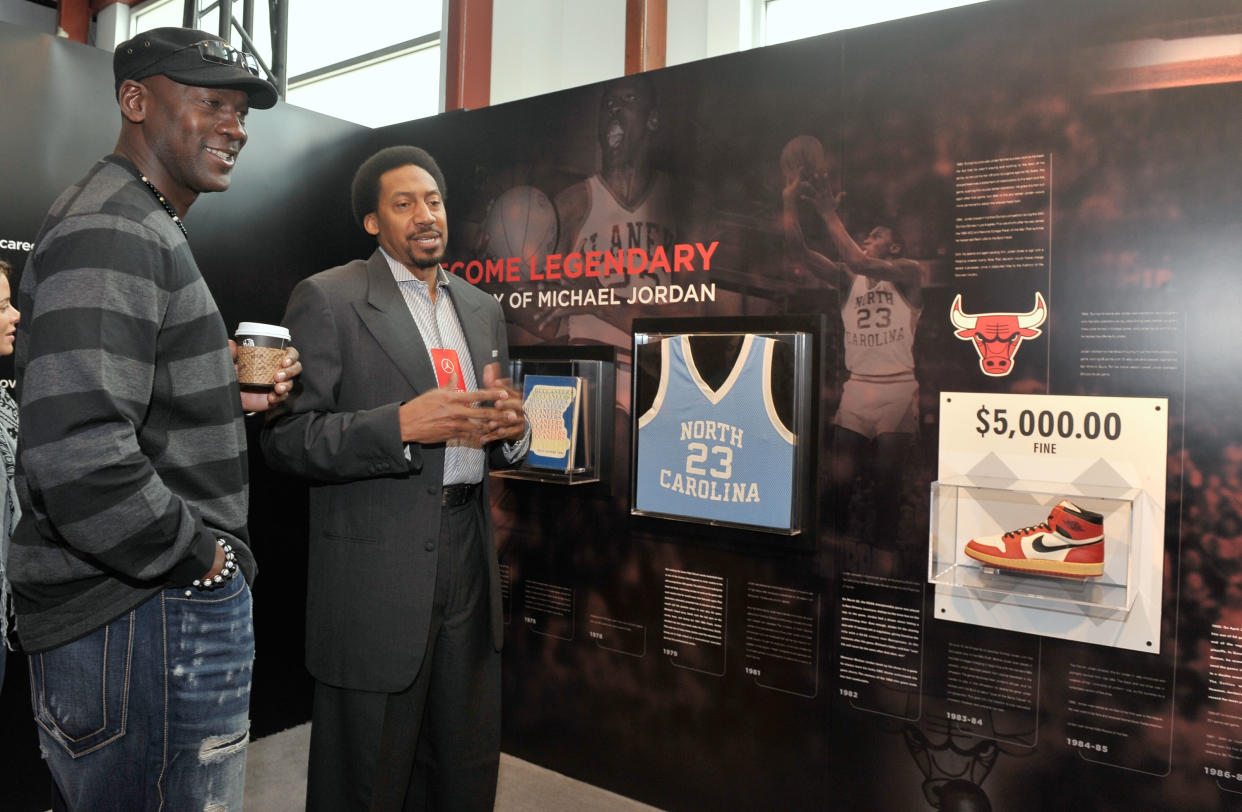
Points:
[1025,530]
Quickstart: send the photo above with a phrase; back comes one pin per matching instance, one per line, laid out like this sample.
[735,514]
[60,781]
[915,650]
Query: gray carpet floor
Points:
[276,782]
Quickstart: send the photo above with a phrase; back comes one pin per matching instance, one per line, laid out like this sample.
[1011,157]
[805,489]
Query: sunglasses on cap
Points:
[217,52]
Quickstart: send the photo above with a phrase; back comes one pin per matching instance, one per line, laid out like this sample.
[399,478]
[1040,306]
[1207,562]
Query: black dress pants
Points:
[436,744]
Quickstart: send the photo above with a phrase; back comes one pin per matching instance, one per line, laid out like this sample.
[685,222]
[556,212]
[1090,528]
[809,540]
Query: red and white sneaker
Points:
[1070,545]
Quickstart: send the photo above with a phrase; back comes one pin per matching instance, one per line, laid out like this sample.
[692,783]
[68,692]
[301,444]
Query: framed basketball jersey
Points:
[717,422]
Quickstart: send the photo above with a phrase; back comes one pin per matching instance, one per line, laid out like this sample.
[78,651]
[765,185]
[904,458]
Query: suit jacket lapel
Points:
[387,316]
[473,326]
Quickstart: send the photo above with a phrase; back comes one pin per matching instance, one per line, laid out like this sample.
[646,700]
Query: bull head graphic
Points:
[996,336]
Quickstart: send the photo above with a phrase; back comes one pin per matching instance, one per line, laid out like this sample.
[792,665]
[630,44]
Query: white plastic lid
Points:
[254,328]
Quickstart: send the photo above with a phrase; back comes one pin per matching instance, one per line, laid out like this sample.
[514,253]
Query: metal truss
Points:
[278,16]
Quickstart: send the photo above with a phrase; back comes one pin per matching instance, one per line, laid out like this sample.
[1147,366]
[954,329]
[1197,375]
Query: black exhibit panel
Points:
[998,246]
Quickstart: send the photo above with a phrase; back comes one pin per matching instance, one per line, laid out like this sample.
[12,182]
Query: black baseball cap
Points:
[192,57]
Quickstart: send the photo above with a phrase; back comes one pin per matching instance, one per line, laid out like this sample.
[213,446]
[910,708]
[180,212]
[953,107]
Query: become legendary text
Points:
[682,258]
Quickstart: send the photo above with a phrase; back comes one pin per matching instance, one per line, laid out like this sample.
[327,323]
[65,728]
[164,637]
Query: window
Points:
[385,90]
[785,20]
[155,14]
[373,62]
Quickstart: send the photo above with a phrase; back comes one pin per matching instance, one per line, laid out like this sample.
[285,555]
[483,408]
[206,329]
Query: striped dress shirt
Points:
[440,329]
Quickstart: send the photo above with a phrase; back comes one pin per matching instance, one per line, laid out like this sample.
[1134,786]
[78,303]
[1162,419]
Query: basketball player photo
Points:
[880,298]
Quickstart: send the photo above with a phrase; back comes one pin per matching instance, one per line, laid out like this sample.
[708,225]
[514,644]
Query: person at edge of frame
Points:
[10,512]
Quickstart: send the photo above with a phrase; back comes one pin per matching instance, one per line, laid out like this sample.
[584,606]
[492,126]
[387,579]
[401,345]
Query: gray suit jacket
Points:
[374,516]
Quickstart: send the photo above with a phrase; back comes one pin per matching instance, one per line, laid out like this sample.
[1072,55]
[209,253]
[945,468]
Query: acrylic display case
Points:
[976,509]
[721,422]
[569,395]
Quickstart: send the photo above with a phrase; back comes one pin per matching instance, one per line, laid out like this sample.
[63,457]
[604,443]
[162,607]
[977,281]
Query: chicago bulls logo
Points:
[997,336]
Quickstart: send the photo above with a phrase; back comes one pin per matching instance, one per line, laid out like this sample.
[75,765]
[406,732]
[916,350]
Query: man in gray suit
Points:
[390,425]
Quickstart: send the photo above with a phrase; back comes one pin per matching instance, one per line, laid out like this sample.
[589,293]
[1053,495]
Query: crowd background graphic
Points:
[1122,118]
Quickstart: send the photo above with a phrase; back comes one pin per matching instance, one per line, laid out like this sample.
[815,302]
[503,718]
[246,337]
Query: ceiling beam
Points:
[646,35]
[468,55]
[73,19]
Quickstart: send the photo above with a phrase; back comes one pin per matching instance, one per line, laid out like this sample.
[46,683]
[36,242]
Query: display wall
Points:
[1066,190]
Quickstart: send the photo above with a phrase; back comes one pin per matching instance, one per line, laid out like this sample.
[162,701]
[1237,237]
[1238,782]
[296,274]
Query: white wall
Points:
[687,36]
[539,46]
[28,15]
[112,26]
[698,29]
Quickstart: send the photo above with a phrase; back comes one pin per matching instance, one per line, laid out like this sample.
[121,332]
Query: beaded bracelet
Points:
[227,572]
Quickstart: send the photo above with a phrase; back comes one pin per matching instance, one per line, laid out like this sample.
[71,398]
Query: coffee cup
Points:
[260,352]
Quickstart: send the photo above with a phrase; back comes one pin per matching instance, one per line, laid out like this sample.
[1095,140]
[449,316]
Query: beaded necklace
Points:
[176,218]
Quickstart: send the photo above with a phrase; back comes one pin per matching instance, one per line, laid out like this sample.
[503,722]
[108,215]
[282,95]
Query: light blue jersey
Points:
[721,455]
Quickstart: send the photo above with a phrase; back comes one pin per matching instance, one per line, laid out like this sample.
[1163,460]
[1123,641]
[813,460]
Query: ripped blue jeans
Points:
[151,712]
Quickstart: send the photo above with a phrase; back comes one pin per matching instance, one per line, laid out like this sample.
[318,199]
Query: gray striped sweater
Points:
[132,454]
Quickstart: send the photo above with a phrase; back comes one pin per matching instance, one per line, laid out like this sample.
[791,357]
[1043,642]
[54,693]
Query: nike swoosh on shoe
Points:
[1037,544]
